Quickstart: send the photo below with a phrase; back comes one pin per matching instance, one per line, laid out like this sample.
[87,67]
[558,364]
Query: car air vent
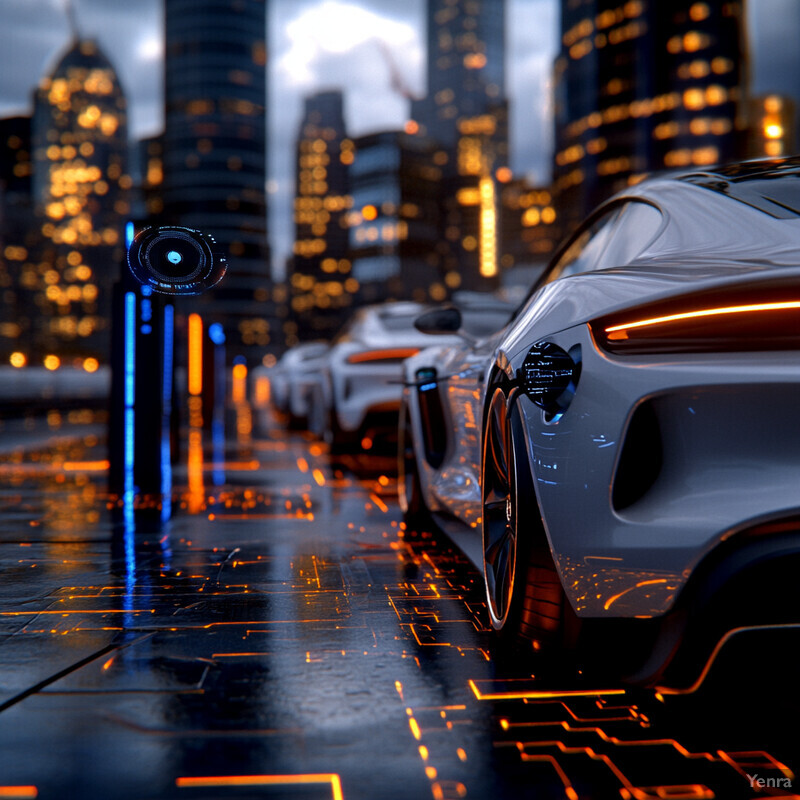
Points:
[640,460]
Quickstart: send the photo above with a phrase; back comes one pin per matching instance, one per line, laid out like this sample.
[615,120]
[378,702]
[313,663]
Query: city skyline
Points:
[307,53]
[317,35]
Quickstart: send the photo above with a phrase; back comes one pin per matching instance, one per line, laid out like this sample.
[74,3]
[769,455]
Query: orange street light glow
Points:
[85,466]
[195,354]
[239,390]
[706,312]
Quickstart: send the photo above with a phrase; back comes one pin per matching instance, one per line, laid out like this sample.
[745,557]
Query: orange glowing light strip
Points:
[319,477]
[543,695]
[553,761]
[85,466]
[599,732]
[233,466]
[706,312]
[263,780]
[755,758]
[667,690]
[19,791]
[693,791]
[239,390]
[378,502]
[382,355]
[195,354]
[613,599]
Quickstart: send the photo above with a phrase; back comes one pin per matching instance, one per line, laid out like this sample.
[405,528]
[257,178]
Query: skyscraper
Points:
[17,238]
[214,157]
[80,192]
[394,222]
[465,111]
[322,289]
[642,85]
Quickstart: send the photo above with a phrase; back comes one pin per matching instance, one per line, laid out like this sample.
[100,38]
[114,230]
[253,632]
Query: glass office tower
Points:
[644,85]
[214,154]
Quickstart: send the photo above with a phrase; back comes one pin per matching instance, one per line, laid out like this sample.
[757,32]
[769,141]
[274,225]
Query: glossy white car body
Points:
[364,365]
[668,450]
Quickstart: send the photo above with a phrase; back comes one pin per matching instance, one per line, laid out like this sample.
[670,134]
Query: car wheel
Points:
[408,482]
[524,595]
[339,440]
[316,413]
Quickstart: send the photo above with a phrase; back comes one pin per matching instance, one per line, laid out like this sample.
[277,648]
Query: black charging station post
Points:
[161,263]
[142,359]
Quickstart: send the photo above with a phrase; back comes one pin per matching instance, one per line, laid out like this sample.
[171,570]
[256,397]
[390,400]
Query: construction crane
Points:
[396,80]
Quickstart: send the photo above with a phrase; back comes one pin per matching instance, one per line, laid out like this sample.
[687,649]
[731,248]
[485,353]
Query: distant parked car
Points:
[359,394]
[289,380]
[622,459]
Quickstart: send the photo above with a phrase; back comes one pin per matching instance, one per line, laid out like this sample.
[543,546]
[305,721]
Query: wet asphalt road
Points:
[283,636]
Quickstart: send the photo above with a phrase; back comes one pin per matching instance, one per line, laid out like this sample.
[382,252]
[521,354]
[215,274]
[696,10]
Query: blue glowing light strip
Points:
[166,409]
[129,232]
[130,349]
[169,346]
[130,395]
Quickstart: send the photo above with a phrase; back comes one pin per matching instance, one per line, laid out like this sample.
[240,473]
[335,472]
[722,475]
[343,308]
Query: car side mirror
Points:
[439,321]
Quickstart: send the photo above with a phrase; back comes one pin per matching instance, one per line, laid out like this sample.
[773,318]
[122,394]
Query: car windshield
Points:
[399,321]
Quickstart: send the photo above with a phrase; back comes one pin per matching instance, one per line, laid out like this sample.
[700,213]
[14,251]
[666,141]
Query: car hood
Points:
[581,298]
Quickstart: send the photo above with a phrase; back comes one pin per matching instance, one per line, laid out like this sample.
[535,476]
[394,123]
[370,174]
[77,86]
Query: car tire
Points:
[317,415]
[526,601]
[409,486]
[338,439]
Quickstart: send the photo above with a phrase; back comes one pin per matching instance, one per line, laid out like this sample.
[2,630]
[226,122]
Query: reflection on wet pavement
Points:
[284,636]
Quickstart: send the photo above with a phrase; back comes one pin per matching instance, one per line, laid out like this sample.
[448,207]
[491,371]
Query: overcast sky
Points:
[316,44]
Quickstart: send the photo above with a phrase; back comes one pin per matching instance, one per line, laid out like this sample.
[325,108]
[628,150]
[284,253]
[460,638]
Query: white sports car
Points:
[358,391]
[622,460]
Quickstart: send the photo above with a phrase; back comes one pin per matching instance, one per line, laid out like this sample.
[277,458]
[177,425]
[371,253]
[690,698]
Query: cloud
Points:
[532,42]
[334,27]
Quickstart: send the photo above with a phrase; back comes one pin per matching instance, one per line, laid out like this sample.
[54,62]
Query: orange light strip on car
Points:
[394,354]
[706,312]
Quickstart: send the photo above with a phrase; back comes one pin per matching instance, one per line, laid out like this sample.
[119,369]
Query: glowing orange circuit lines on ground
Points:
[440,789]
[264,780]
[755,760]
[536,694]
[378,502]
[600,733]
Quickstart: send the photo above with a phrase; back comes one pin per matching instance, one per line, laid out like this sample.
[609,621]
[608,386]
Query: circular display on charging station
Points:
[176,260]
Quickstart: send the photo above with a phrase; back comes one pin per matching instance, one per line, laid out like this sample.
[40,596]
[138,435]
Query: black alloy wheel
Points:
[524,595]
[499,512]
